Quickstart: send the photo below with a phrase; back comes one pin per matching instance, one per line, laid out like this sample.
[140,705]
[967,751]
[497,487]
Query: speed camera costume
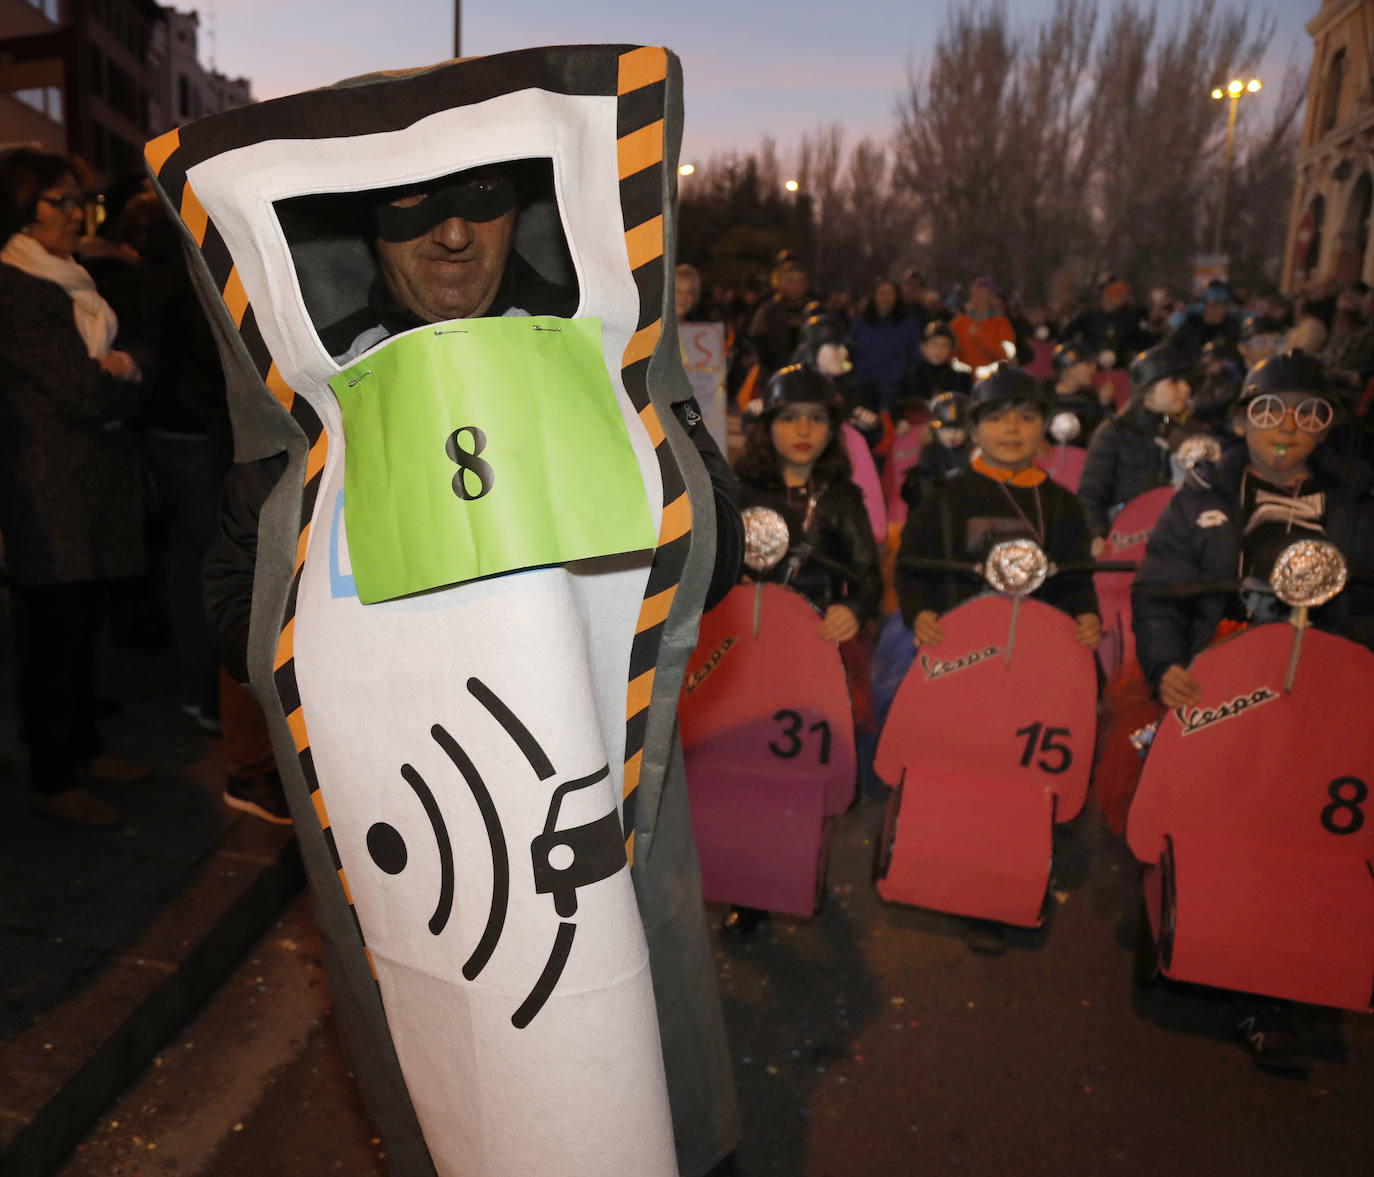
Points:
[477,582]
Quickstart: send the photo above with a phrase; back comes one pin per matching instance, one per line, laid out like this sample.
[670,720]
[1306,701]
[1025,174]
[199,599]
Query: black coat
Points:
[1122,331]
[840,531]
[962,516]
[935,462]
[71,486]
[923,381]
[1198,538]
[1128,455]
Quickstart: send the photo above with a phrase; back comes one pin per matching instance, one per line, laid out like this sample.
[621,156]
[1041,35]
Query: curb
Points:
[61,1074]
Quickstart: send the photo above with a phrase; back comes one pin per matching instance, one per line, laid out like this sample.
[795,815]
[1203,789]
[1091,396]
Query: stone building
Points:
[1328,232]
[99,78]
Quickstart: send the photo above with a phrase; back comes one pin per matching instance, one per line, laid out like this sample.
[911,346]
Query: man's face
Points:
[1214,310]
[450,271]
[792,283]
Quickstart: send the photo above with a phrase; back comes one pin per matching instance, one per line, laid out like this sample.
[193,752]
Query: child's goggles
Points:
[1311,415]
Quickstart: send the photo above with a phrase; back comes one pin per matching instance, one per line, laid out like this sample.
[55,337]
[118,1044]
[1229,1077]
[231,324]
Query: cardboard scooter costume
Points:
[476,588]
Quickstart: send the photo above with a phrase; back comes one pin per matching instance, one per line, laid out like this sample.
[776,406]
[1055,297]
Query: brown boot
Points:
[76,806]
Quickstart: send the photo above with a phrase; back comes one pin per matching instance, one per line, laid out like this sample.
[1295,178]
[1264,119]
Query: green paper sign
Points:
[482,446]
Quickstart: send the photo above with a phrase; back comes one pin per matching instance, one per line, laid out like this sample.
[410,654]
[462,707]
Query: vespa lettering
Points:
[938,668]
[1130,539]
[698,676]
[1194,719]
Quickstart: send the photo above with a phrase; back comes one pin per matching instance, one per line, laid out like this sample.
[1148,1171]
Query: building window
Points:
[47,7]
[1331,97]
[183,96]
[44,99]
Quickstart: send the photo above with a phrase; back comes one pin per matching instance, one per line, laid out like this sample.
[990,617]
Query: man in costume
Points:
[462,678]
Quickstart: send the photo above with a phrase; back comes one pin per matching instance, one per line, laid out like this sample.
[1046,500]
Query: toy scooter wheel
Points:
[1147,964]
[887,836]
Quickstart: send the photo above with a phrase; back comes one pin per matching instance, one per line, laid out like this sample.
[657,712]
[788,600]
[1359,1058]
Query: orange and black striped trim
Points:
[163,157]
[641,87]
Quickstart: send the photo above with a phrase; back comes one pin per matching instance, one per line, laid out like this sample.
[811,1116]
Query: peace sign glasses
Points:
[1311,415]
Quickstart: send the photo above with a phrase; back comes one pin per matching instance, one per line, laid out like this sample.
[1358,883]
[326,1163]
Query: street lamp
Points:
[1234,89]
[686,169]
[791,185]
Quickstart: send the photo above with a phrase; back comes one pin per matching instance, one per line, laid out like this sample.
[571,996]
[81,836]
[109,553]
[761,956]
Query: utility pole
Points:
[1233,90]
[457,28]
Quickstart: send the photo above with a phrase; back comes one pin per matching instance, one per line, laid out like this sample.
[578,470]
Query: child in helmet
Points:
[1074,368]
[1130,453]
[1003,495]
[1231,519]
[824,346]
[794,461]
[932,373]
[1235,516]
[948,448]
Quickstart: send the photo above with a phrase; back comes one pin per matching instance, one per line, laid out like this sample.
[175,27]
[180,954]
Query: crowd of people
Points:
[1276,392]
[114,448]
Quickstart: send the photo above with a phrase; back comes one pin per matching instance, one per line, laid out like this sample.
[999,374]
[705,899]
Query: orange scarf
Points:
[1031,476]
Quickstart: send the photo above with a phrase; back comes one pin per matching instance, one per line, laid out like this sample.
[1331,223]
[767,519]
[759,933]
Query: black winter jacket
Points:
[840,531]
[923,381]
[935,462]
[1128,455]
[70,483]
[962,516]
[1198,538]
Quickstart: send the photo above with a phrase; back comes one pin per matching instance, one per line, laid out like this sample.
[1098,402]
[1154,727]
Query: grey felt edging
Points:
[61,1074]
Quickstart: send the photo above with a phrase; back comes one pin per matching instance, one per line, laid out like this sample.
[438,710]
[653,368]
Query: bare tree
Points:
[1024,152]
[1075,146]
[1159,130]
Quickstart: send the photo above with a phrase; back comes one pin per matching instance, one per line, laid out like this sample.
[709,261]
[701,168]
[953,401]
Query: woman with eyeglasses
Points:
[1230,520]
[70,484]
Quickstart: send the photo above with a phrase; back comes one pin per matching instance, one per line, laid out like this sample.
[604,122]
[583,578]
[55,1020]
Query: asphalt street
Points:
[869,1041]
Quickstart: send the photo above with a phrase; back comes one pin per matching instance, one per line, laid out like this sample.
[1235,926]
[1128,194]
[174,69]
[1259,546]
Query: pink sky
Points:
[750,69]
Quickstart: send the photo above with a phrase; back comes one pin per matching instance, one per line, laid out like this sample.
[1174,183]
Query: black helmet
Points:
[949,410]
[798,384]
[821,329]
[1220,351]
[1004,385]
[1066,355]
[1289,371]
[1159,363]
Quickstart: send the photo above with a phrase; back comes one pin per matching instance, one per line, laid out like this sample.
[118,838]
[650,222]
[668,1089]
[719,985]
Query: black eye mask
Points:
[477,200]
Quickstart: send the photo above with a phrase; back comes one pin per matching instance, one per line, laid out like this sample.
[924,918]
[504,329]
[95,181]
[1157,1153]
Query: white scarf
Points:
[95,318]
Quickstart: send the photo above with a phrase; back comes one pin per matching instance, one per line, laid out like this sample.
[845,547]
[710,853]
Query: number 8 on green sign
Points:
[468,461]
